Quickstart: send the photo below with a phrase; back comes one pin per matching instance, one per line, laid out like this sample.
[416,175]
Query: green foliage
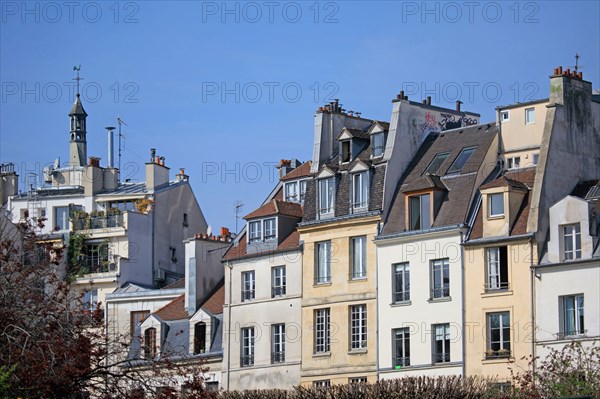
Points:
[5,374]
[75,254]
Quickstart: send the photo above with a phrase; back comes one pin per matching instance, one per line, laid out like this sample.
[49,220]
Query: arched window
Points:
[150,343]
[200,338]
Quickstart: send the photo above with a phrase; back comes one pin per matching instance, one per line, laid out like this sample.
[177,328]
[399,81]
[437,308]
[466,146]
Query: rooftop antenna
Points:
[120,122]
[238,205]
[577,67]
[77,68]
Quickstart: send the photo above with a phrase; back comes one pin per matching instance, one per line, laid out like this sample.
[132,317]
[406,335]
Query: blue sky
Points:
[226,89]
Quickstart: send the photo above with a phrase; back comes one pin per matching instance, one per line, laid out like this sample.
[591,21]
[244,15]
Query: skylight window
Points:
[435,164]
[461,159]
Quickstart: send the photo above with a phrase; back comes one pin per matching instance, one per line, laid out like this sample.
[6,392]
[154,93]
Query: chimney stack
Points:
[428,100]
[111,146]
[458,102]
[152,154]
[157,174]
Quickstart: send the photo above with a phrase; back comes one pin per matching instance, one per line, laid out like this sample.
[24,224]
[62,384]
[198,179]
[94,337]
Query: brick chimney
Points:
[157,174]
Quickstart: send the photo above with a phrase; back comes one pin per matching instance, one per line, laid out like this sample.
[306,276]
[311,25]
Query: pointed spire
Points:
[77,108]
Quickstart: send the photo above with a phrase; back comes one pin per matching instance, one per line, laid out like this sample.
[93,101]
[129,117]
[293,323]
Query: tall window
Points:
[248,286]
[323,262]
[291,192]
[150,343]
[378,145]
[571,241]
[358,327]
[199,337]
[497,269]
[326,196]
[530,115]
[247,353]
[358,256]
[96,260]
[346,152]
[495,204]
[61,218]
[322,332]
[573,323]
[90,300]
[441,343]
[401,282]
[136,318]
[440,279]
[302,184]
[461,159]
[277,281]
[360,190]
[435,164]
[278,343]
[420,208]
[498,327]
[270,231]
[255,231]
[401,338]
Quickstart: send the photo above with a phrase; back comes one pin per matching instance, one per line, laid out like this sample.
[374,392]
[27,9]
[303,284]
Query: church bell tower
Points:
[78,142]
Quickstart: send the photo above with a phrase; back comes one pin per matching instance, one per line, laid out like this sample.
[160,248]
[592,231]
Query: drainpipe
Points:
[377,307]
[463,304]
[533,326]
[229,327]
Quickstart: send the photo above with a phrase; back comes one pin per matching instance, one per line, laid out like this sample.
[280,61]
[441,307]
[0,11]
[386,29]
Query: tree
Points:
[52,347]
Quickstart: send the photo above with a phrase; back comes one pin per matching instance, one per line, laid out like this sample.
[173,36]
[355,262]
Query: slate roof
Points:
[77,108]
[357,133]
[301,171]
[460,186]
[240,251]
[588,190]
[277,207]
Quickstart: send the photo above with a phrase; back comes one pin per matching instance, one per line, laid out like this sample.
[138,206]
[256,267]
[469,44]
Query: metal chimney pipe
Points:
[111,146]
[152,154]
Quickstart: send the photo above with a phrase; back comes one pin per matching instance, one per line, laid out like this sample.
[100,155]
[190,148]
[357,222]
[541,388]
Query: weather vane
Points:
[77,68]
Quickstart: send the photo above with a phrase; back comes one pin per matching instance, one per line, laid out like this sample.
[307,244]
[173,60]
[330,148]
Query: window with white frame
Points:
[401,352]
[573,321]
[495,204]
[360,190]
[497,269]
[504,116]
[278,343]
[529,116]
[440,279]
[248,286]
[61,218]
[441,343]
[278,281]
[401,281]
[420,211]
[513,162]
[358,327]
[323,262]
[358,256]
[255,231]
[269,229]
[498,331]
[291,192]
[571,239]
[322,332]
[326,194]
[90,299]
[323,384]
[150,343]
[357,380]
[378,144]
[247,352]
[302,185]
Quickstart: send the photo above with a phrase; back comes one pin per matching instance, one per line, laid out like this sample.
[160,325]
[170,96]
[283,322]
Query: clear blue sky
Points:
[163,67]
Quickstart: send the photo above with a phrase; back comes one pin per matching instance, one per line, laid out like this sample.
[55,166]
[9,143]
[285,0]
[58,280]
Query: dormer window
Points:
[269,229]
[571,238]
[295,191]
[495,205]
[360,190]
[378,144]
[461,159]
[420,211]
[346,151]
[255,231]
[326,196]
[262,230]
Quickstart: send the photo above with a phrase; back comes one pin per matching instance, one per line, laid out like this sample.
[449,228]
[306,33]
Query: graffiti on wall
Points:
[446,121]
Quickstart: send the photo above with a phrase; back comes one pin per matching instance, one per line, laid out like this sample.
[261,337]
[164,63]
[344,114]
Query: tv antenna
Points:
[120,122]
[577,67]
[238,205]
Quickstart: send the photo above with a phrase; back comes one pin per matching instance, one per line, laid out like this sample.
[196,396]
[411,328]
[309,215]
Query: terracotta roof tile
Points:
[290,242]
[301,171]
[174,310]
[277,207]
[214,303]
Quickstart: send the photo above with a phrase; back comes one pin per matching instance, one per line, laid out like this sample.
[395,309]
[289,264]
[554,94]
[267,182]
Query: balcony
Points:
[98,222]
[247,361]
[400,362]
[440,292]
[441,358]
[496,286]
[277,291]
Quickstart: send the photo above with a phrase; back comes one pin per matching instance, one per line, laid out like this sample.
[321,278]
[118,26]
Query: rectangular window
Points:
[378,145]
[323,384]
[278,343]
[495,204]
[441,343]
[420,212]
[61,218]
[326,196]
[185,220]
[136,318]
[536,158]
[401,283]
[255,231]
[302,190]
[278,281]
[440,279]
[357,380]
[247,353]
[322,337]
[323,262]
[346,155]
[150,343]
[291,192]
[514,162]
[571,241]
[248,286]
[498,329]
[435,164]
[497,269]
[504,116]
[358,327]
[90,300]
[270,231]
[199,337]
[461,159]
[96,260]
[358,256]
[401,338]
[530,116]
[573,323]
[360,190]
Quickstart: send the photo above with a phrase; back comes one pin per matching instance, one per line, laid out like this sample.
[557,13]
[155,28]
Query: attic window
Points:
[504,116]
[461,159]
[378,145]
[150,343]
[346,151]
[435,164]
[496,205]
[199,337]
[420,208]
